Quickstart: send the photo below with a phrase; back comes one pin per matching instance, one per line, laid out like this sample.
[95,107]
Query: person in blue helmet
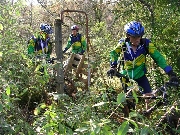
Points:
[134,50]
[40,42]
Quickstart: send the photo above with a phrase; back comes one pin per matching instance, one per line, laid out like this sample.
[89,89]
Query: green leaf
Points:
[1,107]
[1,18]
[121,98]
[134,123]
[92,133]
[24,91]
[1,26]
[18,13]
[8,91]
[43,105]
[61,128]
[1,53]
[97,130]
[4,96]
[123,128]
[133,114]
[16,99]
[135,96]
[107,129]
[144,131]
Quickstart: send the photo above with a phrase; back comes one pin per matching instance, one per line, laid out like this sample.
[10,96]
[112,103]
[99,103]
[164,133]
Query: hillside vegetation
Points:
[25,106]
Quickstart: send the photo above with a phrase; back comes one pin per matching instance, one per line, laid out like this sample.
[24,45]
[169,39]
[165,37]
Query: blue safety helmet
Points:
[46,28]
[134,28]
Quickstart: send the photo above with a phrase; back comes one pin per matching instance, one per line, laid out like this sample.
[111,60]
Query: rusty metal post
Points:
[59,55]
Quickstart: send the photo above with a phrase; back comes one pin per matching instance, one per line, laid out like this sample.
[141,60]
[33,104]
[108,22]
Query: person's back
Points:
[40,44]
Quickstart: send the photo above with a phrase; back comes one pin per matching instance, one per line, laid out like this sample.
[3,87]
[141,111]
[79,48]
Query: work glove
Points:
[113,64]
[65,49]
[112,72]
[82,52]
[173,78]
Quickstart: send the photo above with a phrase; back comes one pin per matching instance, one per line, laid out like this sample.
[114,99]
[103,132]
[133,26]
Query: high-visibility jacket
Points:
[134,62]
[40,44]
[77,43]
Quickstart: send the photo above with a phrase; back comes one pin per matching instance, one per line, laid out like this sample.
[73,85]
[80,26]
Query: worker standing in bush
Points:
[134,50]
[40,46]
[76,41]
[40,43]
[78,46]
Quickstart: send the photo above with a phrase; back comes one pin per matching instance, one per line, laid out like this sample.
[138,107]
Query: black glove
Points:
[113,64]
[112,72]
[65,49]
[173,78]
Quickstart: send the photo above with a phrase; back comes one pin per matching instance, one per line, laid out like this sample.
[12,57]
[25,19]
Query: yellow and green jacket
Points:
[40,44]
[77,43]
[134,62]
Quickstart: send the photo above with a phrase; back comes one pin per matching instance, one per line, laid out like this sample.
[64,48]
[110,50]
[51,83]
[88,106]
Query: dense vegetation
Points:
[22,88]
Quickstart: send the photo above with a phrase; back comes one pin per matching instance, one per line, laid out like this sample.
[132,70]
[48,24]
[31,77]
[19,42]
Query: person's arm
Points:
[158,58]
[84,43]
[114,54]
[68,45]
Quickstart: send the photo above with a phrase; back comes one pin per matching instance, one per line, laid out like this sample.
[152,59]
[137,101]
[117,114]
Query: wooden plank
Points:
[84,72]
[85,66]
[83,80]
[69,63]
[80,65]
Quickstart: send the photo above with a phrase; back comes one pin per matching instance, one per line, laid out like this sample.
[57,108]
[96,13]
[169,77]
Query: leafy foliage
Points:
[26,107]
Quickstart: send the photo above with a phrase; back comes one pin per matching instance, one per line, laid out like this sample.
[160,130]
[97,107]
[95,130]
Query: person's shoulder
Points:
[146,39]
[82,37]
[79,35]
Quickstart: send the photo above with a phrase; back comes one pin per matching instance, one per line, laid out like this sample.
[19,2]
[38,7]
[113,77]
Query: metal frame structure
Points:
[59,52]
